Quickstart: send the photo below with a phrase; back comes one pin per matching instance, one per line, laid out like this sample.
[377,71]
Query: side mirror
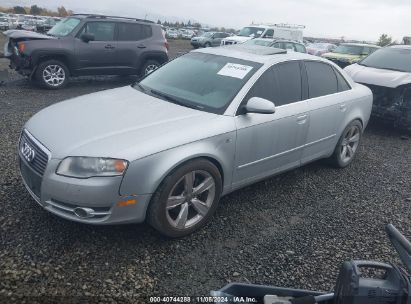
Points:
[86,37]
[259,105]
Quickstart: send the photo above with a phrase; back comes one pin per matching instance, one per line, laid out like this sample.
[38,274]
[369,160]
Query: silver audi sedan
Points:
[207,123]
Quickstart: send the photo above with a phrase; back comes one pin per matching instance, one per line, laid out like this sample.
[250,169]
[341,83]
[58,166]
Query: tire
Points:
[149,66]
[347,145]
[207,45]
[173,210]
[58,71]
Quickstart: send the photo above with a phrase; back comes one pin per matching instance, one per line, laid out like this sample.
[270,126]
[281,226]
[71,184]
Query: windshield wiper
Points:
[140,87]
[174,99]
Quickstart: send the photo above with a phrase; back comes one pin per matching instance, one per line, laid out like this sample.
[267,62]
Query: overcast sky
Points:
[355,19]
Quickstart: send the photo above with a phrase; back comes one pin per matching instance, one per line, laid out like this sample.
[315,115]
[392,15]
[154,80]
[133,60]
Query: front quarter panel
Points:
[144,175]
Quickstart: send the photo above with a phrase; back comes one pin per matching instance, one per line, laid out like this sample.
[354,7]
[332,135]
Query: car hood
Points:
[121,123]
[380,77]
[20,34]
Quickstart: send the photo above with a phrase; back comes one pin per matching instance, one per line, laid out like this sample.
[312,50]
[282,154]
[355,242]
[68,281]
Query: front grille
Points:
[39,162]
[31,179]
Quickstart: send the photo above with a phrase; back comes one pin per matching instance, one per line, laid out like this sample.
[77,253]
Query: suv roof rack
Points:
[113,17]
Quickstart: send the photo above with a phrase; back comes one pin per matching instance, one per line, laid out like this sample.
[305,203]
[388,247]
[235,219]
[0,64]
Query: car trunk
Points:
[392,104]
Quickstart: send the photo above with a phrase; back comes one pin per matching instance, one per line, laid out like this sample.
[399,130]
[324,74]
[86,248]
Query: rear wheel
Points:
[149,67]
[347,145]
[52,74]
[186,199]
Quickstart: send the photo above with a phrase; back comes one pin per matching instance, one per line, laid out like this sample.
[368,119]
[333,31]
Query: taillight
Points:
[167,45]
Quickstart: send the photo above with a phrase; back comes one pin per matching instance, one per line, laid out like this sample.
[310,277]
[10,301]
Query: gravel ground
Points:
[293,230]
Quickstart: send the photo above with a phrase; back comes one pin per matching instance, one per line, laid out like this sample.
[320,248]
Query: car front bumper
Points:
[61,195]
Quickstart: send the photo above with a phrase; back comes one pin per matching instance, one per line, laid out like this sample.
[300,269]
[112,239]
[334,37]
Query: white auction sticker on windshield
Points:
[235,70]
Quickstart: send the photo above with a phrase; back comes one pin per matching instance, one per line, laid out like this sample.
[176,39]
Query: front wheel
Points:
[52,74]
[186,199]
[347,145]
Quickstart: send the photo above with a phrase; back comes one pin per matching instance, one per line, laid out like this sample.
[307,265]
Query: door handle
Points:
[302,119]
[141,46]
[109,46]
[343,107]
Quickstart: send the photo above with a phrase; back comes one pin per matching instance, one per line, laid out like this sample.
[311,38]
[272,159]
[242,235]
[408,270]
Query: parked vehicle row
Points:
[146,164]
[27,22]
[87,45]
[180,33]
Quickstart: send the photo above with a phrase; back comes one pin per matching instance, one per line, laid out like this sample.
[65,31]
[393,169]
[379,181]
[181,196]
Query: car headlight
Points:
[85,167]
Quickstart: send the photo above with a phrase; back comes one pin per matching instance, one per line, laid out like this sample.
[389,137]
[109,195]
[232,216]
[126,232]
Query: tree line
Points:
[37,10]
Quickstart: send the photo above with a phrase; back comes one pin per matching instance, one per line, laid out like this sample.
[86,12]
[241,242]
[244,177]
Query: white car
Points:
[387,72]
[280,31]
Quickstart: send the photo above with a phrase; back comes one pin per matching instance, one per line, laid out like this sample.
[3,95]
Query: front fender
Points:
[144,175]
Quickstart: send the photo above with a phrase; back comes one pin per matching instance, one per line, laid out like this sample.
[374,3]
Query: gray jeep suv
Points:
[87,45]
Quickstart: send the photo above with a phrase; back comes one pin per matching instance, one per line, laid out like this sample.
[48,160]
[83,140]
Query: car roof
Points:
[256,53]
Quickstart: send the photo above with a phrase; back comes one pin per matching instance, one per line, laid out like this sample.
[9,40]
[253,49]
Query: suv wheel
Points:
[207,45]
[186,199]
[149,66]
[52,74]
[347,145]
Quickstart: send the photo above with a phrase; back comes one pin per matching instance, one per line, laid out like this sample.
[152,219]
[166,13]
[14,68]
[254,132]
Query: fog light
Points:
[83,212]
[127,203]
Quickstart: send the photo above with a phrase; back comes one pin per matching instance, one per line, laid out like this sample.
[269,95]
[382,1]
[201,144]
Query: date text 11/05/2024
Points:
[202,299]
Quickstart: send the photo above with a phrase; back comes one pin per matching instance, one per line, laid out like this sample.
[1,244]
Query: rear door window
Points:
[102,31]
[321,79]
[133,31]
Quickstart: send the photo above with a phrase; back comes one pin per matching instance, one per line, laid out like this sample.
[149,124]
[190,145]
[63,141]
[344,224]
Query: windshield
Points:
[202,81]
[64,27]
[390,59]
[349,49]
[251,31]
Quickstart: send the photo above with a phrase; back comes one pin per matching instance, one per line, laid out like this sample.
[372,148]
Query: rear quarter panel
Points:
[359,106]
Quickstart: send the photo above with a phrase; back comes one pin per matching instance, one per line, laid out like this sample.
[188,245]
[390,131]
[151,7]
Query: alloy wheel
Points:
[54,75]
[350,143]
[190,199]
[150,68]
